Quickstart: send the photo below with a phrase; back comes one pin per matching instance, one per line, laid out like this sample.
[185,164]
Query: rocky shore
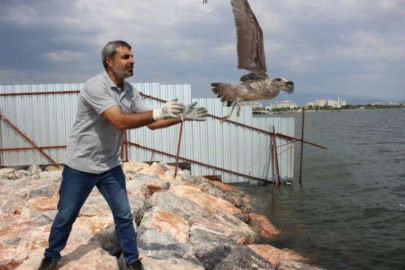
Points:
[184,223]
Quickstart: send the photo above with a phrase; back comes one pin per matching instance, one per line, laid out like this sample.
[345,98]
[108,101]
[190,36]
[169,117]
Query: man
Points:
[107,106]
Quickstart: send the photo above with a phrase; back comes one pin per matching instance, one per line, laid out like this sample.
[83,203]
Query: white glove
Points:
[171,109]
[194,114]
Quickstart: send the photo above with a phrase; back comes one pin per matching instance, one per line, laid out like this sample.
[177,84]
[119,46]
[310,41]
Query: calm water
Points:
[349,212]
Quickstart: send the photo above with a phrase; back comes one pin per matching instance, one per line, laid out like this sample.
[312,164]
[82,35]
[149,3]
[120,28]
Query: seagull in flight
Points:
[256,85]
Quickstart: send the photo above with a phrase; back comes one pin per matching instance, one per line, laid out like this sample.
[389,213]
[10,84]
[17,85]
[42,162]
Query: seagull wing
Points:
[249,37]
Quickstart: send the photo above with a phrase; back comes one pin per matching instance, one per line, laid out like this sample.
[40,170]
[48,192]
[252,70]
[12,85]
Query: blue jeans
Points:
[74,190]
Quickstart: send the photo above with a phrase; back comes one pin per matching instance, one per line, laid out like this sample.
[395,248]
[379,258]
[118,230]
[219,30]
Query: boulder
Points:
[11,256]
[262,225]
[275,255]
[203,199]
[153,169]
[158,219]
[34,171]
[185,208]
[133,167]
[51,168]
[184,223]
[6,172]
[224,257]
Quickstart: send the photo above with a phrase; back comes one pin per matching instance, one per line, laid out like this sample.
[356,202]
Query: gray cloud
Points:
[348,47]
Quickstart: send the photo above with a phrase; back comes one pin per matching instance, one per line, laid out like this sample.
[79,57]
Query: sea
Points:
[349,211]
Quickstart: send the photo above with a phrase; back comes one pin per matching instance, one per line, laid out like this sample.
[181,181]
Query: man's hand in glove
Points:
[171,109]
[191,113]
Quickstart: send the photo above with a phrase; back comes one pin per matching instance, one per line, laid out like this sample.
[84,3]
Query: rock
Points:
[21,174]
[34,171]
[203,199]
[275,255]
[45,218]
[133,167]
[14,228]
[148,190]
[12,256]
[107,239]
[229,226]
[12,204]
[135,186]
[18,187]
[54,176]
[89,259]
[138,206]
[43,190]
[261,225]
[158,219]
[185,223]
[187,209]
[44,203]
[84,258]
[224,257]
[156,244]
[151,263]
[203,238]
[95,206]
[153,169]
[5,172]
[51,168]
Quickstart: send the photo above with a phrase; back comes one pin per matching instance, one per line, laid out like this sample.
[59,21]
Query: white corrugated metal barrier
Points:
[47,121]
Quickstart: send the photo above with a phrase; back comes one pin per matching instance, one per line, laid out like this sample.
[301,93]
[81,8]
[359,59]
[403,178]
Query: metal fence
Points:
[47,120]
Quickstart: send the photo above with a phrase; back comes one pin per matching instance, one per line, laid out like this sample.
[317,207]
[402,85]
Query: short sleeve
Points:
[96,95]
[138,104]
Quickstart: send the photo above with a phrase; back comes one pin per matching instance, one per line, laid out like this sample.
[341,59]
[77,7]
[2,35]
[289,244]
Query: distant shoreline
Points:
[315,111]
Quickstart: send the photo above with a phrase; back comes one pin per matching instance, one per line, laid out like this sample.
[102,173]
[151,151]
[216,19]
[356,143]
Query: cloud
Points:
[321,45]
[63,56]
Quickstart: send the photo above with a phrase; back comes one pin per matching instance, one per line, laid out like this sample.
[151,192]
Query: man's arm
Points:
[123,121]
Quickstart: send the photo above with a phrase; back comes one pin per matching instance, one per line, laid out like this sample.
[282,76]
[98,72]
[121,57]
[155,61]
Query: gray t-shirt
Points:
[94,144]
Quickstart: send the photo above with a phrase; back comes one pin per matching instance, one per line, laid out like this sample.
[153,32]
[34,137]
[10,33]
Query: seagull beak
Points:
[290,87]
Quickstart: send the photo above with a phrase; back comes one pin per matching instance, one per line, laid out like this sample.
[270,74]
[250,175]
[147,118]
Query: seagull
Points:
[256,85]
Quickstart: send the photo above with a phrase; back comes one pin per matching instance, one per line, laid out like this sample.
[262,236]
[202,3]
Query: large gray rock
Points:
[184,223]
[156,244]
[181,207]
[226,257]
[34,171]
[12,204]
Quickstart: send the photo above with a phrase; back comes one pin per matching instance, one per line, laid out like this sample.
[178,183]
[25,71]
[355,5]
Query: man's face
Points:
[123,63]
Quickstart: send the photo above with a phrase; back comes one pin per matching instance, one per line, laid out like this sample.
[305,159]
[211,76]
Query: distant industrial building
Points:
[254,104]
[330,102]
[282,104]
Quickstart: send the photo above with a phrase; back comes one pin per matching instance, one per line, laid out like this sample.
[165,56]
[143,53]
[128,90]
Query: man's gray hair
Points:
[109,49]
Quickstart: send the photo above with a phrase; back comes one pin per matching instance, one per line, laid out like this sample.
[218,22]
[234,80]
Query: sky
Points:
[348,47]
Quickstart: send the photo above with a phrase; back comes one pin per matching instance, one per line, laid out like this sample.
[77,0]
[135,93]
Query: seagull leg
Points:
[229,114]
[239,108]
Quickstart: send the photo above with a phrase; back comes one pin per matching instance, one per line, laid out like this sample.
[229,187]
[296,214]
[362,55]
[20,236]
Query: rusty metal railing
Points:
[125,142]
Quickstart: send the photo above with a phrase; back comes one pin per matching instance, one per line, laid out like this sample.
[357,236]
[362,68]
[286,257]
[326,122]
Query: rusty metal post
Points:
[276,157]
[28,139]
[272,170]
[178,150]
[302,141]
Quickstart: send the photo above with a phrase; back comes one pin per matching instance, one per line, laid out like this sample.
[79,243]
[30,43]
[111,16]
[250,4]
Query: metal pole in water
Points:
[276,157]
[302,141]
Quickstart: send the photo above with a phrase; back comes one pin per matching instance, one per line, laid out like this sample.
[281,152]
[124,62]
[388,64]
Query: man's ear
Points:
[109,61]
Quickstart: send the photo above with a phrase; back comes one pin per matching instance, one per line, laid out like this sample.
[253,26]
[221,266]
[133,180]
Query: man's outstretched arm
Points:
[165,116]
